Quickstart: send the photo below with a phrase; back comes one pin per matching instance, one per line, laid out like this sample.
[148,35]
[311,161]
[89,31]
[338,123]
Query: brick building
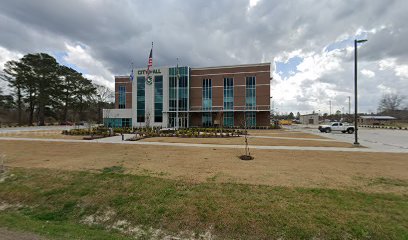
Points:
[210,96]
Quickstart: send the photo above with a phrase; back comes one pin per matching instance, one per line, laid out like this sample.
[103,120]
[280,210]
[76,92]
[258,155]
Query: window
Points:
[207,119]
[158,99]
[140,112]
[126,122]
[122,96]
[250,93]
[228,93]
[250,119]
[228,119]
[178,75]
[178,100]
[117,122]
[207,94]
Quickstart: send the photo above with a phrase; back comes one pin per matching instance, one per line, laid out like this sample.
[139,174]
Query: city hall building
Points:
[224,96]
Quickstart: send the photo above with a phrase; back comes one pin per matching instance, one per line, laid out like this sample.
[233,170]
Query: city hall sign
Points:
[144,72]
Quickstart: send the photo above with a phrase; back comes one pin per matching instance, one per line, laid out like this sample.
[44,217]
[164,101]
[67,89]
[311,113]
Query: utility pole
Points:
[177,94]
[349,111]
[330,106]
[355,91]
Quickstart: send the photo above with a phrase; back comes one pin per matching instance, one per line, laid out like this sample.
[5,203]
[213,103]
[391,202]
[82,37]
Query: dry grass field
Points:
[251,141]
[85,190]
[340,170]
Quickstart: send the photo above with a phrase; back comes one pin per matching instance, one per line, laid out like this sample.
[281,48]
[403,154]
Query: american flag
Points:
[149,64]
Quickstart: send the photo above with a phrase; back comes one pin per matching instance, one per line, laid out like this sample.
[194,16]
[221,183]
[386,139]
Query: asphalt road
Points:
[381,139]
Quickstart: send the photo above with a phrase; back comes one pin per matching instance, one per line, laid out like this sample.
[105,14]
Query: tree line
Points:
[44,91]
[391,104]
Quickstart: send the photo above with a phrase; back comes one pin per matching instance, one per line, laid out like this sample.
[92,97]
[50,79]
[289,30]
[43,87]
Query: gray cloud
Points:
[215,32]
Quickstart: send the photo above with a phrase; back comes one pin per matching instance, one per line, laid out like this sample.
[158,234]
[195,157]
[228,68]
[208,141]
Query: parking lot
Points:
[380,139]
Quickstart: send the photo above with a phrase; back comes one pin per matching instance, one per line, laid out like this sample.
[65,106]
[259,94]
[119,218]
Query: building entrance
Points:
[182,120]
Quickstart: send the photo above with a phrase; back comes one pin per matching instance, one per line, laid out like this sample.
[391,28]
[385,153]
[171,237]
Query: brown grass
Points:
[251,141]
[283,133]
[372,172]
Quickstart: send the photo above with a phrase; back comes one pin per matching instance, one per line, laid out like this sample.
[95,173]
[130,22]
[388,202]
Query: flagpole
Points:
[177,94]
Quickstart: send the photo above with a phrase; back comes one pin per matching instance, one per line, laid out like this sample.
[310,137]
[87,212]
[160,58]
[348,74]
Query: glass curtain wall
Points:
[158,99]
[228,102]
[182,73]
[207,102]
[250,101]
[122,96]
[117,122]
[141,98]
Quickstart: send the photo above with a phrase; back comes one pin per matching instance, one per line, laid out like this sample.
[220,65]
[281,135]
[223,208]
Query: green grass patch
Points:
[59,201]
[389,182]
[113,169]
[56,229]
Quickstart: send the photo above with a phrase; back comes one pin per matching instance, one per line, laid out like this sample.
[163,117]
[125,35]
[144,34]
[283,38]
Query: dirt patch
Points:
[103,218]
[50,134]
[7,234]
[339,170]
[284,133]
[251,141]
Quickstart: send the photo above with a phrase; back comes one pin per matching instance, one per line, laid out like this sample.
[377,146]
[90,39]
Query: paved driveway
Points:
[380,139]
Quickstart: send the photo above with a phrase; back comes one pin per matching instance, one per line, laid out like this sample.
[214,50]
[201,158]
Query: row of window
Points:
[250,93]
[228,93]
[207,94]
[250,101]
[178,96]
[141,99]
[228,119]
[181,76]
[117,122]
[122,96]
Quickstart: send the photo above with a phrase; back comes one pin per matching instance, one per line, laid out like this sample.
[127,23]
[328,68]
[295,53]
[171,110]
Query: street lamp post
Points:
[355,90]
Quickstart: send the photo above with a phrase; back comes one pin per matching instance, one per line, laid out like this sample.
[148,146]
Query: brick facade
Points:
[128,84]
[239,73]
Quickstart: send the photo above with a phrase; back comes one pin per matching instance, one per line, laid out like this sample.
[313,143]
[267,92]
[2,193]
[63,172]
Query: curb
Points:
[384,127]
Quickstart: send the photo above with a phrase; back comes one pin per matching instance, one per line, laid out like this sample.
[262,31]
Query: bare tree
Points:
[103,95]
[247,155]
[147,120]
[390,102]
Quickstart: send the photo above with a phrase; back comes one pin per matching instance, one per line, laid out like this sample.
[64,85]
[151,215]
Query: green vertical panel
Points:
[158,99]
[141,98]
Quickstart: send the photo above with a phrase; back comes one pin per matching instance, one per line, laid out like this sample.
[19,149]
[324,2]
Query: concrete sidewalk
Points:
[293,138]
[114,140]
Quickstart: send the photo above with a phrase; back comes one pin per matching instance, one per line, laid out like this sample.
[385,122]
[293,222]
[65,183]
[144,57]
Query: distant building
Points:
[375,120]
[309,119]
[193,97]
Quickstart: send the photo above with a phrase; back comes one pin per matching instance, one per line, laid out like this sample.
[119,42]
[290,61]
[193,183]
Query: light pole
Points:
[355,90]
[271,102]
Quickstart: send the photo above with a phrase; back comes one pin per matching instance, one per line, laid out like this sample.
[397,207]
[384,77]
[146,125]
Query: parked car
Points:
[337,126]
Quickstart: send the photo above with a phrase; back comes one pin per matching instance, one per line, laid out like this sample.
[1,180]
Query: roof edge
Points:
[233,66]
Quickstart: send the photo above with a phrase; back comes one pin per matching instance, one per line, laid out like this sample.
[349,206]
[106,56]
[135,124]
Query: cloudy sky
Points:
[309,43]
